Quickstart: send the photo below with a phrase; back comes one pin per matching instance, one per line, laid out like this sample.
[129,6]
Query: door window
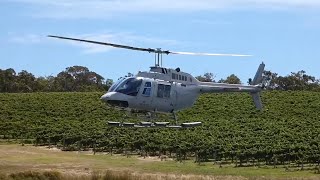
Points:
[147,89]
[163,91]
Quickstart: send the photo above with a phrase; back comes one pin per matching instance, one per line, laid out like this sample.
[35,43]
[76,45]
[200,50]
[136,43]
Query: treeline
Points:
[75,78]
[296,81]
[81,79]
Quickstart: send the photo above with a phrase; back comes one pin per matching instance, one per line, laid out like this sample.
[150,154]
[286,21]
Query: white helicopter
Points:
[165,90]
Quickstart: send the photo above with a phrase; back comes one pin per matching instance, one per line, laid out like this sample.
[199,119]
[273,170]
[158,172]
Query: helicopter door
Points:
[146,96]
[174,96]
[163,97]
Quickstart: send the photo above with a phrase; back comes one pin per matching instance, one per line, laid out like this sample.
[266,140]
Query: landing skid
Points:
[153,125]
[150,123]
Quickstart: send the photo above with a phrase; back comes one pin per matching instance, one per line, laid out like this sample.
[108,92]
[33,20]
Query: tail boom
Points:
[254,88]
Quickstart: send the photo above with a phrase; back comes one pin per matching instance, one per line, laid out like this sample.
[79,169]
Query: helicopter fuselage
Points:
[154,95]
[168,90]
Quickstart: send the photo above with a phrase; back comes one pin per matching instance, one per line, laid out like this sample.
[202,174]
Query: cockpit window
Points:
[129,86]
[113,87]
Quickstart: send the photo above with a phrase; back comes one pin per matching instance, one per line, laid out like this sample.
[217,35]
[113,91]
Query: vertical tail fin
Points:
[258,77]
[257,80]
[257,100]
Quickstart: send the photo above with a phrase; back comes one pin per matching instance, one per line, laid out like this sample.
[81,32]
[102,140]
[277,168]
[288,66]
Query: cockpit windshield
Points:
[128,86]
[113,87]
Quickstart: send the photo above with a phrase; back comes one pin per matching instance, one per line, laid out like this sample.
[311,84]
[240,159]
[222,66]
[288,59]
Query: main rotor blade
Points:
[209,54]
[106,44]
[150,50]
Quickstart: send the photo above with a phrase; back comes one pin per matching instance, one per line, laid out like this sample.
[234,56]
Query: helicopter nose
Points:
[105,97]
[114,99]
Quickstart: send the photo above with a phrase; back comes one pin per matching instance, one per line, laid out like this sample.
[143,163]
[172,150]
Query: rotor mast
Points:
[158,57]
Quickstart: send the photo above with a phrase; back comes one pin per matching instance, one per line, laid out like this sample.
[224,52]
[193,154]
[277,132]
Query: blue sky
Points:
[284,34]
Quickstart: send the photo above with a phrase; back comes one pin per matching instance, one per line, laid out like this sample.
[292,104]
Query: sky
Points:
[284,34]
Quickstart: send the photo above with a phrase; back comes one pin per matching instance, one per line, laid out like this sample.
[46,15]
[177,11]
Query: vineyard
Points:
[286,132]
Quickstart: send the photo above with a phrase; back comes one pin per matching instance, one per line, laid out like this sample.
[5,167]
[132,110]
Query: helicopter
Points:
[167,90]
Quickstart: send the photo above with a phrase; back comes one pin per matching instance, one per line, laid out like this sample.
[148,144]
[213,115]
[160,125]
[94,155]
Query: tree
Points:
[26,82]
[75,78]
[270,80]
[297,81]
[108,84]
[46,84]
[207,77]
[7,80]
[232,79]
[79,78]
[64,82]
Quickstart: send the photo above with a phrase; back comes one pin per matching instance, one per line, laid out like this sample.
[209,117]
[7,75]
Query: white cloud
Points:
[27,39]
[113,8]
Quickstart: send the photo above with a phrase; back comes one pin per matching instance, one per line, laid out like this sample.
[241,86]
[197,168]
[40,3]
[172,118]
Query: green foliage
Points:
[207,77]
[298,81]
[286,131]
[75,78]
[232,79]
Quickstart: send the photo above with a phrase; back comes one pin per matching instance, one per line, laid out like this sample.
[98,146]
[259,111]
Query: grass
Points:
[15,158]
[108,175]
